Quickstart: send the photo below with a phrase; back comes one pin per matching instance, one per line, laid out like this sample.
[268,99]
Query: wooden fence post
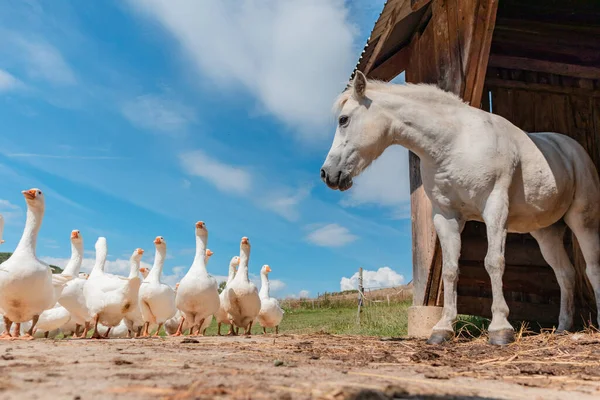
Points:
[361,294]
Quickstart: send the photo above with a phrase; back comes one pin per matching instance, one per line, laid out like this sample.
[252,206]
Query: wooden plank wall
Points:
[535,101]
[451,50]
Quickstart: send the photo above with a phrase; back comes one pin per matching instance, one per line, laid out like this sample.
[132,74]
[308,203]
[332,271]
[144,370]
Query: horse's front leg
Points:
[495,217]
[448,229]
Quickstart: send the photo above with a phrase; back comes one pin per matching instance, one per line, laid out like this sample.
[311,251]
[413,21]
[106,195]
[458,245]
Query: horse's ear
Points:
[359,85]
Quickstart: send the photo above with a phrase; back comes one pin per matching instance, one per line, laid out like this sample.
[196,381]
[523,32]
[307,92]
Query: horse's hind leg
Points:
[586,227]
[552,246]
[448,230]
[495,216]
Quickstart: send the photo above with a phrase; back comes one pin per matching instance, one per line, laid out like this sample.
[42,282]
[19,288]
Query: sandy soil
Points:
[299,367]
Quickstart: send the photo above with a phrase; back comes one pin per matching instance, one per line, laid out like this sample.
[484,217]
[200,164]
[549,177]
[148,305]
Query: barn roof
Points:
[385,54]
[392,32]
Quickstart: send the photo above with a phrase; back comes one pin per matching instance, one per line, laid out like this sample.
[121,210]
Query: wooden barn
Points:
[534,62]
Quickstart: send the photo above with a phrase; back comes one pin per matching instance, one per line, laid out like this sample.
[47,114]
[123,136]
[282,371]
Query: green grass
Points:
[376,320]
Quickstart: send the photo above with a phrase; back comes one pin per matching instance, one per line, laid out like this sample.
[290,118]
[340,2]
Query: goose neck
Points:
[74,265]
[264,287]
[32,227]
[159,262]
[200,259]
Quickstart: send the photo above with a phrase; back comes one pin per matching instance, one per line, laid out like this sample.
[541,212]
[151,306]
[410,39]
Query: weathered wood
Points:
[530,64]
[523,253]
[416,5]
[479,51]
[392,66]
[397,13]
[541,87]
[442,58]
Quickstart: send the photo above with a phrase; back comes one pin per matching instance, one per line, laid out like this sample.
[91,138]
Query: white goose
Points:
[157,300]
[198,293]
[72,297]
[119,331]
[241,300]
[108,296]
[52,319]
[221,315]
[172,324]
[133,319]
[27,285]
[270,314]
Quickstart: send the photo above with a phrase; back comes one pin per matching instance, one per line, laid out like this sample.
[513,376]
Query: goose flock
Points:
[42,304]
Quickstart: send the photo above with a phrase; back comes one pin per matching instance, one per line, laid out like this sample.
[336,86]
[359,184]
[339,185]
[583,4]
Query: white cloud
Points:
[157,113]
[45,62]
[8,82]
[225,177]
[293,56]
[286,205]
[385,183]
[383,277]
[10,211]
[332,235]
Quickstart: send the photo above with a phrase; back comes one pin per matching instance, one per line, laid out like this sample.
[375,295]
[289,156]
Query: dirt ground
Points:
[319,366]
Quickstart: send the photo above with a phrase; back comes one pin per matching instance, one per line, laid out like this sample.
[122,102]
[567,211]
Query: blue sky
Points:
[138,118]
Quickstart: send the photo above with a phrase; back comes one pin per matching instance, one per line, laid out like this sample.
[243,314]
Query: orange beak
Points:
[140,251]
[244,240]
[74,235]
[143,270]
[209,252]
[29,194]
[200,224]
[157,241]
[268,269]
[177,286]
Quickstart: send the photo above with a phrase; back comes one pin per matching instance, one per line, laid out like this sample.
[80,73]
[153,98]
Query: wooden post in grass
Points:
[361,294]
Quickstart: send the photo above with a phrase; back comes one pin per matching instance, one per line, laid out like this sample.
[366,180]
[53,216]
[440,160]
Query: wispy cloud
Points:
[332,235]
[227,178]
[158,113]
[267,48]
[286,205]
[8,82]
[45,62]
[10,211]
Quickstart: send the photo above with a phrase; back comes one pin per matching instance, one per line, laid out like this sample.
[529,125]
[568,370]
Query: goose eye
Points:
[343,120]
[39,192]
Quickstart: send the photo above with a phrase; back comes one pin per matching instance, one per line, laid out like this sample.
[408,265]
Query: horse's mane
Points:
[422,91]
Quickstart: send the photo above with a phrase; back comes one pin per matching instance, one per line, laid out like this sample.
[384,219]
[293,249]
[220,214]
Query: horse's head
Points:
[362,134]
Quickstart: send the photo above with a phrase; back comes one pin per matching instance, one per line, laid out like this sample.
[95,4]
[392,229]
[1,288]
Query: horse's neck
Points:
[419,127]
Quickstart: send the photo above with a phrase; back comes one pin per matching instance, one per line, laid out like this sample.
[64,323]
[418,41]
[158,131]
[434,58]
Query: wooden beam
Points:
[541,87]
[392,66]
[481,40]
[391,23]
[416,5]
[528,64]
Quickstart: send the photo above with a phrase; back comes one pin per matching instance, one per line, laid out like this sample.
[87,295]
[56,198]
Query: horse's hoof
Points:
[439,337]
[502,337]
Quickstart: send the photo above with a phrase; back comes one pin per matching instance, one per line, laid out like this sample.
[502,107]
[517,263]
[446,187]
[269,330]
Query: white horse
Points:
[476,166]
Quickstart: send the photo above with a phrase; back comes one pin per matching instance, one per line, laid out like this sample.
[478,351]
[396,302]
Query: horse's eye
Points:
[343,120]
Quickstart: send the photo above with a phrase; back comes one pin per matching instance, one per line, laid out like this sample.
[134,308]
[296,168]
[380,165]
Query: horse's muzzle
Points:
[337,181]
